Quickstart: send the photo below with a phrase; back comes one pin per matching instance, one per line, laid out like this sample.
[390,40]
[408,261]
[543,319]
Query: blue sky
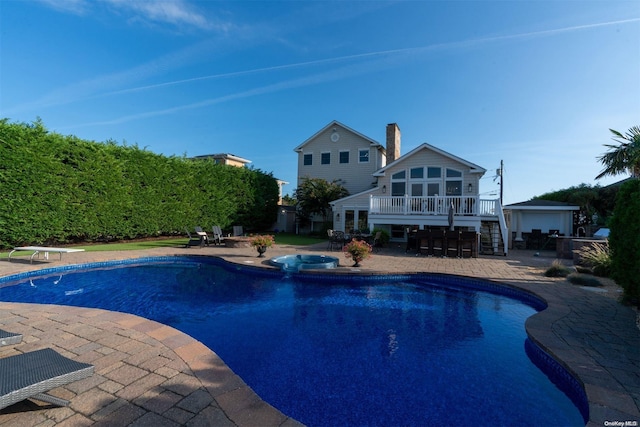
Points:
[536,84]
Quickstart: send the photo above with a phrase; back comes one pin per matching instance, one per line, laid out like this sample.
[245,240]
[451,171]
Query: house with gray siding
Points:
[415,191]
[337,152]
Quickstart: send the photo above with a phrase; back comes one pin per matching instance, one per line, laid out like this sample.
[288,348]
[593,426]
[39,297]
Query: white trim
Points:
[347,128]
[473,168]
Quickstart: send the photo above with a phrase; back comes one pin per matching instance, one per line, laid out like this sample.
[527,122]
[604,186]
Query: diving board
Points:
[43,249]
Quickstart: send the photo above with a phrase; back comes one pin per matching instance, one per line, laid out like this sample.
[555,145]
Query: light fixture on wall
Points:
[384,189]
[338,216]
[470,188]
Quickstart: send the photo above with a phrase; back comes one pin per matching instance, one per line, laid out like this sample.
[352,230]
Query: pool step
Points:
[290,268]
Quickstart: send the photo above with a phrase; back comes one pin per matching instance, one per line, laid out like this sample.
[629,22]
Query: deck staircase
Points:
[493,235]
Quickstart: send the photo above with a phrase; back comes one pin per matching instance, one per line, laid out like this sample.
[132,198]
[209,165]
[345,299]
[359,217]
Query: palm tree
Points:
[624,157]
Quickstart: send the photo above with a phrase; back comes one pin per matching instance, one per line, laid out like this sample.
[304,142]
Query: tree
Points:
[624,157]
[315,194]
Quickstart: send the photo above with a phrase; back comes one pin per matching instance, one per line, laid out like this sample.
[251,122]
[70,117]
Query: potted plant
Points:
[357,250]
[261,243]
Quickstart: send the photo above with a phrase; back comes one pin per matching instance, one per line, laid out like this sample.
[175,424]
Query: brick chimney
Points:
[393,142]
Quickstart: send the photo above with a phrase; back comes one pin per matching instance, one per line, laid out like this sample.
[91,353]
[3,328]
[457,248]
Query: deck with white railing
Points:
[433,205]
[433,211]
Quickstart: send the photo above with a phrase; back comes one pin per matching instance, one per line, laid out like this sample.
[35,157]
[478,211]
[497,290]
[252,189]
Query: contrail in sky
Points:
[440,46]
[329,75]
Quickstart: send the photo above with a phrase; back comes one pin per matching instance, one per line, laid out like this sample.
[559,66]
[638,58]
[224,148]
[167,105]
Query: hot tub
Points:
[299,262]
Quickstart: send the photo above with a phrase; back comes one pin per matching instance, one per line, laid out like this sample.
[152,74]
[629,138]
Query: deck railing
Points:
[430,205]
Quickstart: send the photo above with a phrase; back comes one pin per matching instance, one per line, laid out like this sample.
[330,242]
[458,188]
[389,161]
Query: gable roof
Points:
[541,204]
[335,123]
[424,146]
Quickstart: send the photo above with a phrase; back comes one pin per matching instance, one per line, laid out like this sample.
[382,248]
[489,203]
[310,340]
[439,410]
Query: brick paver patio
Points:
[149,374]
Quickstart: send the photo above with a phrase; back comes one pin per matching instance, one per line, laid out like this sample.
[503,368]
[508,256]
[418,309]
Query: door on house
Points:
[355,220]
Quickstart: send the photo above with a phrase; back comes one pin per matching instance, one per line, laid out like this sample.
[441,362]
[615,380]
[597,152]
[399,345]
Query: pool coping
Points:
[571,329]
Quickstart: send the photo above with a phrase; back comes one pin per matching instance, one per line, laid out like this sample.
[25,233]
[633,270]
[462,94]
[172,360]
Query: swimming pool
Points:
[336,350]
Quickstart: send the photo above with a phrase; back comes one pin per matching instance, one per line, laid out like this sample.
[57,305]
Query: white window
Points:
[453,182]
[399,184]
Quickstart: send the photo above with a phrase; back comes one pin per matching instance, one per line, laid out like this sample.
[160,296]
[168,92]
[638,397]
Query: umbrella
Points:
[451,217]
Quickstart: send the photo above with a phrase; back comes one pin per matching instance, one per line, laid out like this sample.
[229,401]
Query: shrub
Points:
[624,240]
[597,256]
[384,235]
[265,240]
[358,250]
[583,279]
[557,269]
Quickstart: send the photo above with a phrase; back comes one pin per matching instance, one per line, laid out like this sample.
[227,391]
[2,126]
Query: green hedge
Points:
[61,189]
[624,240]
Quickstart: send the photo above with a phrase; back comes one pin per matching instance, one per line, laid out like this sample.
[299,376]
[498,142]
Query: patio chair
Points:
[534,241]
[218,237]
[31,375]
[424,239]
[468,244]
[237,230]
[193,241]
[377,241]
[337,239]
[453,243]
[438,243]
[330,235]
[203,235]
[9,338]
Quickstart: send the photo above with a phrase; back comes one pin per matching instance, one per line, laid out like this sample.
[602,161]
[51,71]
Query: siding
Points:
[355,176]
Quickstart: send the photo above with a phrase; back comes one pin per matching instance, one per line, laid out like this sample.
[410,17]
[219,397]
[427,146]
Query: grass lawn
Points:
[281,238]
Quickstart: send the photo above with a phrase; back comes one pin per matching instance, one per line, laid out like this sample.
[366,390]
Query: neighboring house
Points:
[225,159]
[414,191]
[545,216]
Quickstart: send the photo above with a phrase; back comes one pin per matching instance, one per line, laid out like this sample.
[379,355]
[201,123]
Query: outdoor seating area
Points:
[446,243]
[538,240]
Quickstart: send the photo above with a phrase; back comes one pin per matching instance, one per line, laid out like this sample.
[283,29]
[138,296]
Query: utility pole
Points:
[500,174]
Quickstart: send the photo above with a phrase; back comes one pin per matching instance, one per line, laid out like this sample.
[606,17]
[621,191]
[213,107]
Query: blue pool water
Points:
[423,350]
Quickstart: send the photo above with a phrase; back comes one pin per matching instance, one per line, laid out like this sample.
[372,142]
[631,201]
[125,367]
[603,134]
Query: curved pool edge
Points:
[606,393]
[229,393]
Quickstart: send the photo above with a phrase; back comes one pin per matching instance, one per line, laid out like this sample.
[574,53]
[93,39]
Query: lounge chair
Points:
[237,230]
[203,235]
[218,237]
[377,241]
[193,241]
[31,375]
[9,338]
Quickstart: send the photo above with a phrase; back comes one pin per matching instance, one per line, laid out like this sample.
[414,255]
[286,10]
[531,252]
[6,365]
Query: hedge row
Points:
[624,240]
[61,189]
